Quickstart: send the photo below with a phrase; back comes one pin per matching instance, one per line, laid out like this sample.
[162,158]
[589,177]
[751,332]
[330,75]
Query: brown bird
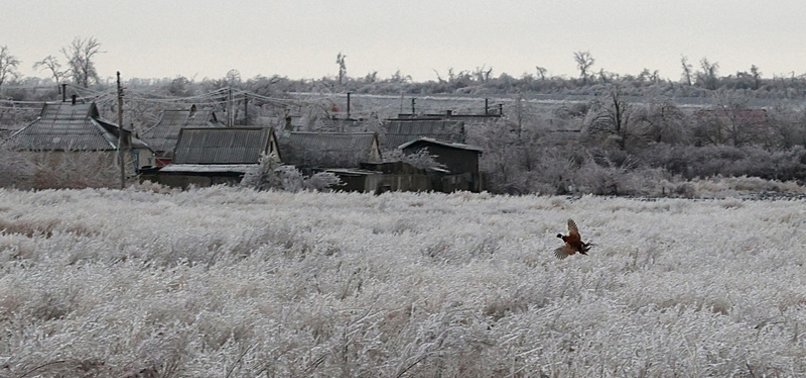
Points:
[573,242]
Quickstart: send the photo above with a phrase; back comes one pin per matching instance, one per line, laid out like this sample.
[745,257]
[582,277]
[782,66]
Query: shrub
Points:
[270,174]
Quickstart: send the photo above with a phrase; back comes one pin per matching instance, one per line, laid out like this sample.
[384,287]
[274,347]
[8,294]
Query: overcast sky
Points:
[300,38]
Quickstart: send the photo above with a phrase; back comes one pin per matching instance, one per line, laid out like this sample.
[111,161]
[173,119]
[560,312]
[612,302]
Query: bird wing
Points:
[564,251]
[573,231]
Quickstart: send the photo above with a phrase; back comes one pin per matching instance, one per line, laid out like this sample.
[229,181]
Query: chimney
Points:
[73,98]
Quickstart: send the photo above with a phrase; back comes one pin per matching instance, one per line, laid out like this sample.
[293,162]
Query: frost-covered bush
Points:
[713,160]
[321,181]
[270,174]
[263,176]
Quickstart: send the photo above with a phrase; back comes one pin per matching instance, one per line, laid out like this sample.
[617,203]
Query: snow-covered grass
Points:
[224,282]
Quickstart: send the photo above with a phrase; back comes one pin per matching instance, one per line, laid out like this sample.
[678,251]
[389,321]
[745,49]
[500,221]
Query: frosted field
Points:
[224,282]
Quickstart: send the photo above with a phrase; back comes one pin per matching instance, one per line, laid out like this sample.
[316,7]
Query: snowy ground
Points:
[227,282]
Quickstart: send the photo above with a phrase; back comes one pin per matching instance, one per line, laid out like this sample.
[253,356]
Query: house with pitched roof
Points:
[207,156]
[402,130]
[163,136]
[321,150]
[75,133]
[460,160]
[340,153]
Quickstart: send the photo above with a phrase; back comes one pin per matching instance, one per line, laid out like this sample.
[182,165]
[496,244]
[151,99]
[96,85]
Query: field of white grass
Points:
[224,282]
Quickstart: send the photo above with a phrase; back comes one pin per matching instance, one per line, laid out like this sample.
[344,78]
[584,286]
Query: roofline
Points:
[98,125]
[460,146]
[333,133]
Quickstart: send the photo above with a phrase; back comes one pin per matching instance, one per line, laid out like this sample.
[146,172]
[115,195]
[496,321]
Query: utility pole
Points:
[520,115]
[229,107]
[121,159]
[245,110]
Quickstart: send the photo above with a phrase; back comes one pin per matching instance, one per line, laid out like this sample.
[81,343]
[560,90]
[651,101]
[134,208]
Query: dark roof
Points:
[162,137]
[222,145]
[397,131]
[329,150]
[459,146]
[63,126]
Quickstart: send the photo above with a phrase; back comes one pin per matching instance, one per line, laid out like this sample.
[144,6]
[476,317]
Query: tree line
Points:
[696,79]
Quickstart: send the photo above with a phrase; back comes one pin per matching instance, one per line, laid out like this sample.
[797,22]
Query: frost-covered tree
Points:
[756,75]
[340,60]
[584,61]
[80,55]
[51,64]
[664,121]
[8,65]
[541,72]
[612,118]
[687,70]
[707,76]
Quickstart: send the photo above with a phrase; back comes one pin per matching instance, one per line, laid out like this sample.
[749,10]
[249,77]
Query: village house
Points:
[402,130]
[338,153]
[72,134]
[460,160]
[215,155]
[163,136]
[319,150]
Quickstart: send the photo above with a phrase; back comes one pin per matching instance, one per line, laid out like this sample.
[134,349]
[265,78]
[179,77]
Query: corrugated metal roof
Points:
[222,145]
[398,132]
[328,150]
[206,168]
[162,137]
[64,126]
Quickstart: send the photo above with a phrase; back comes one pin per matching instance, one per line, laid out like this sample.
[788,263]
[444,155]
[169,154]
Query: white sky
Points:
[300,39]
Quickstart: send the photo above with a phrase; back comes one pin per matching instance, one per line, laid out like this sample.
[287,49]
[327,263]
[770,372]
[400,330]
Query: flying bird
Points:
[573,242]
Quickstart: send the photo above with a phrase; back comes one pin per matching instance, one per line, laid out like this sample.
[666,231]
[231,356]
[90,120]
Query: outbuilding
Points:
[461,161]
